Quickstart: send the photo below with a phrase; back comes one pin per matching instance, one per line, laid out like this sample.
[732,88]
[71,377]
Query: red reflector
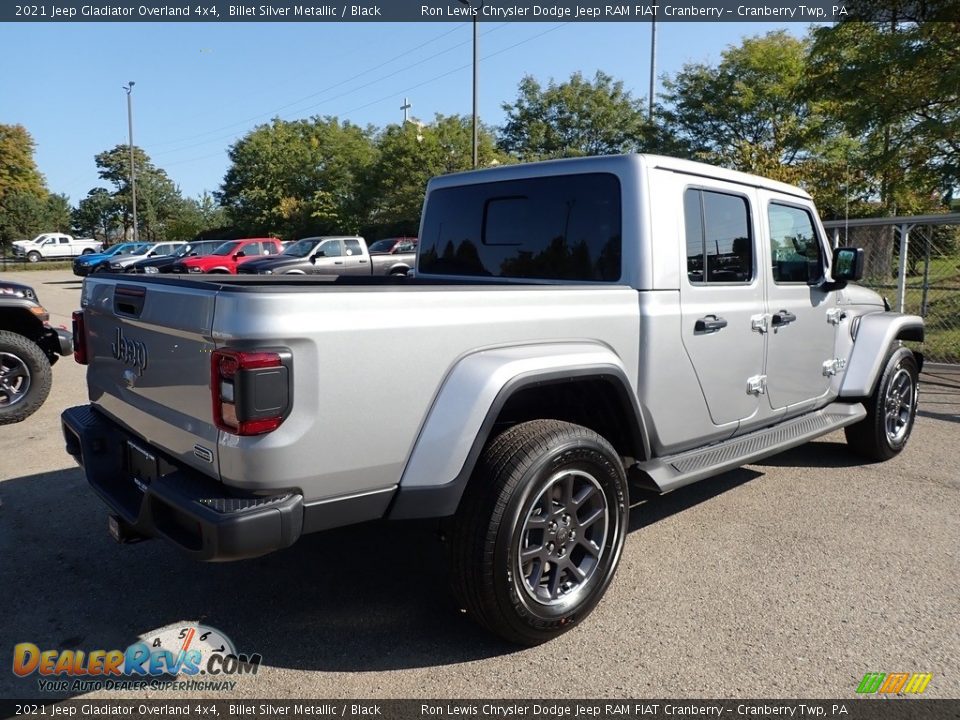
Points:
[224,366]
[79,338]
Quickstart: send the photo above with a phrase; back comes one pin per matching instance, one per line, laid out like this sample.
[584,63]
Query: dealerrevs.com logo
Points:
[894,683]
[188,651]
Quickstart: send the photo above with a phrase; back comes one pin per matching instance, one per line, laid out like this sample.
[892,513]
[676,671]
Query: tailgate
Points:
[149,348]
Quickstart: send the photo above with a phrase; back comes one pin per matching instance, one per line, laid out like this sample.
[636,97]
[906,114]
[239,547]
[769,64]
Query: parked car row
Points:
[322,255]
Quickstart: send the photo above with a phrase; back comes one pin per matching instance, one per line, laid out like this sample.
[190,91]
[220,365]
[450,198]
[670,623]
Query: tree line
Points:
[864,115]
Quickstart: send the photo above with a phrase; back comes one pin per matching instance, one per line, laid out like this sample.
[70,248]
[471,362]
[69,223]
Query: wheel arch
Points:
[506,391]
[875,333]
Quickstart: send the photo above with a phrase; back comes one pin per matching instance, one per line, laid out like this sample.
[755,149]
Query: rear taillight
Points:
[250,390]
[79,338]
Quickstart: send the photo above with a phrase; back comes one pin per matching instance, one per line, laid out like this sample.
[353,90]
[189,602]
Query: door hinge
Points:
[757,385]
[833,366]
[760,323]
[835,316]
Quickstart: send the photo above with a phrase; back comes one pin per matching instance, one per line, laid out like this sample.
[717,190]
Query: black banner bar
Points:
[877,708]
[429,11]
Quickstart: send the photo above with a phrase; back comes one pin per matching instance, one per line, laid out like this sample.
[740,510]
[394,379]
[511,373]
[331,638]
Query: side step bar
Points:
[673,471]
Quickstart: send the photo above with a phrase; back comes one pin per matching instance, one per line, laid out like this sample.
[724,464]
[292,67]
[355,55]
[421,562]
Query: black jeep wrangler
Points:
[28,349]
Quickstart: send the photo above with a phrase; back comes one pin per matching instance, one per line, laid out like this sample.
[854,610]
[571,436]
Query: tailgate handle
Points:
[128,300]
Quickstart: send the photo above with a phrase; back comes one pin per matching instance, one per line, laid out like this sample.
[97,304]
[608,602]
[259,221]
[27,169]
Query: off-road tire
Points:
[891,410]
[518,492]
[16,349]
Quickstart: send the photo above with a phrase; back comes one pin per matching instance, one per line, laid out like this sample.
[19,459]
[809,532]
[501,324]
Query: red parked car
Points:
[228,256]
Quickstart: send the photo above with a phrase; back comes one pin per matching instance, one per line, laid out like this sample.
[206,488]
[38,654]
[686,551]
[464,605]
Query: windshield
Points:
[301,248]
[133,249]
[228,248]
[204,247]
[117,249]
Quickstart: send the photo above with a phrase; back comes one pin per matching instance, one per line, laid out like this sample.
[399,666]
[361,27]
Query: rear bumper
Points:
[192,511]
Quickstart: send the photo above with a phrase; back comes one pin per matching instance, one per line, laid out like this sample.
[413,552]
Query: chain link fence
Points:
[928,278]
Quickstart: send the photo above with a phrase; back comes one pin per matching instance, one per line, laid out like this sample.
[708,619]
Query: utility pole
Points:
[476,63]
[653,65]
[133,167]
[405,107]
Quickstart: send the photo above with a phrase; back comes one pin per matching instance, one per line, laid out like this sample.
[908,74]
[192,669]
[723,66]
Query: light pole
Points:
[653,65]
[476,63]
[133,170]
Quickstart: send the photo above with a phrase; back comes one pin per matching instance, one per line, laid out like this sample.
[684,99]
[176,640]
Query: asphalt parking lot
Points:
[788,578]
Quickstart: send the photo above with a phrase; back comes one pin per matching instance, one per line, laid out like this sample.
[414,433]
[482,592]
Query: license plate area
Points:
[142,466]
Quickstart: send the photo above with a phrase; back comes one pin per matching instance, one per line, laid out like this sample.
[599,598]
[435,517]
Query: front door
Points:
[802,315]
[721,292]
[328,258]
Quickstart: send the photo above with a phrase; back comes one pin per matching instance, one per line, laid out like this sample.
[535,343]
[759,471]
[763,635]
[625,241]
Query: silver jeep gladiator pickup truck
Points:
[575,329]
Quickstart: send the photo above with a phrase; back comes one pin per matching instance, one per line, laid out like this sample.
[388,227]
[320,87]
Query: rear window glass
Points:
[564,227]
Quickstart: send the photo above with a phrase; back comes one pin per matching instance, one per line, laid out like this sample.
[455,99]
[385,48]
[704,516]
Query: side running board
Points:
[673,471]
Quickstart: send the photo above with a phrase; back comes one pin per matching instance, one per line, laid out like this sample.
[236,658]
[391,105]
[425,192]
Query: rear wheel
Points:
[25,377]
[87,251]
[891,410]
[538,534]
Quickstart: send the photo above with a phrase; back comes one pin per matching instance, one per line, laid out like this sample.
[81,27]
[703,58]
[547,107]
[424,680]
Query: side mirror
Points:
[151,254]
[239,254]
[847,264]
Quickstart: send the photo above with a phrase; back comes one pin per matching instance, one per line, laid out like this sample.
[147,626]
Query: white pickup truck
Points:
[579,333]
[50,246]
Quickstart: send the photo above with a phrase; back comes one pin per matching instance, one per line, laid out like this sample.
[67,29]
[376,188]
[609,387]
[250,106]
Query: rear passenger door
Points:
[803,317]
[354,260]
[721,295]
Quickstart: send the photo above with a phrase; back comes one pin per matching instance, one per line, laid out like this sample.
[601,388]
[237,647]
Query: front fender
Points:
[464,411]
[875,334]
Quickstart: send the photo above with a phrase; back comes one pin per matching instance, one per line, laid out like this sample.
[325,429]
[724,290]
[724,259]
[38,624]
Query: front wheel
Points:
[33,256]
[537,537]
[25,377]
[891,410]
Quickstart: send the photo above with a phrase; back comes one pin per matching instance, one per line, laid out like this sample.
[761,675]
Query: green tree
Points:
[21,216]
[194,217]
[23,192]
[158,199]
[296,178]
[98,215]
[746,112]
[57,212]
[894,82]
[577,117]
[409,155]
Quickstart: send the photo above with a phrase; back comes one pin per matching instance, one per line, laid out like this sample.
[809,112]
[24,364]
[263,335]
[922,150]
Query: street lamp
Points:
[133,173]
[653,64]
[476,13]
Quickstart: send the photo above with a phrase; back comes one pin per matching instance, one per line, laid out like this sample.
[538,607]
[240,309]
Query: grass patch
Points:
[12,265]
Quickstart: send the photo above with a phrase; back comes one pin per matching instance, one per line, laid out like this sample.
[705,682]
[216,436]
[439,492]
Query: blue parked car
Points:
[86,264]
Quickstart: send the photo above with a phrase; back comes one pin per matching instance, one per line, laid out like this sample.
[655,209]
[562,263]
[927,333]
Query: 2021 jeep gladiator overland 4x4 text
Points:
[574,328]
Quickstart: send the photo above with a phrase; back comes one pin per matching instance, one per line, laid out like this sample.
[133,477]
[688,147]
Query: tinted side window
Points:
[723,252]
[794,248]
[564,227]
[353,247]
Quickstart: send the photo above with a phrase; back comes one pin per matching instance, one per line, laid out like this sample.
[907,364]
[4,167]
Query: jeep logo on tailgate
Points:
[130,352]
